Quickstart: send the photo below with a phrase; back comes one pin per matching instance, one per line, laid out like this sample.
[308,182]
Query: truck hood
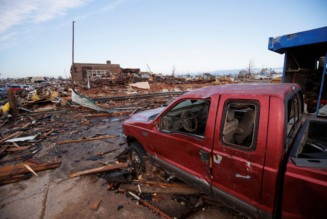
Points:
[146,116]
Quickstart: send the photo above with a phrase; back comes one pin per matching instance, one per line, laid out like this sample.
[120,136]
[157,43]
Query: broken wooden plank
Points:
[19,168]
[14,135]
[147,204]
[109,114]
[30,169]
[168,190]
[14,179]
[18,149]
[162,184]
[133,112]
[107,152]
[87,139]
[16,145]
[99,169]
[9,137]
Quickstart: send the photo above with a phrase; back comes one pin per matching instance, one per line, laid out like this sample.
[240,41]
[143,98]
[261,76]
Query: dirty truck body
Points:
[248,146]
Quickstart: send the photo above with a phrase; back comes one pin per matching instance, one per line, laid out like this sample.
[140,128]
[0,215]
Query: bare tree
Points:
[249,67]
[173,71]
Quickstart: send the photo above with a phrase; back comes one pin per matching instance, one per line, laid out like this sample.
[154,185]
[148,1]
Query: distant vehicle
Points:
[44,84]
[58,82]
[28,87]
[16,87]
[3,93]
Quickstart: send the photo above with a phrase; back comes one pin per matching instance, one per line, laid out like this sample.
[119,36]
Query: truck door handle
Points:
[204,155]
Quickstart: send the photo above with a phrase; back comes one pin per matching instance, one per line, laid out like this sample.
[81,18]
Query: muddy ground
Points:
[55,195]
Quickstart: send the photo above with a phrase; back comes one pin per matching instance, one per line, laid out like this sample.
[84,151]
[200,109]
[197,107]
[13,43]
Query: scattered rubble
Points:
[62,116]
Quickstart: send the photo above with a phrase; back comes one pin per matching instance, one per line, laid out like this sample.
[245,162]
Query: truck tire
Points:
[138,155]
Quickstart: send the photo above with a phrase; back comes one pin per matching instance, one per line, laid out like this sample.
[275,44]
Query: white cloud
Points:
[16,12]
[4,37]
[112,5]
[82,17]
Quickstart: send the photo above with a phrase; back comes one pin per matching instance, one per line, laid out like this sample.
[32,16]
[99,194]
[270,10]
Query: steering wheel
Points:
[187,123]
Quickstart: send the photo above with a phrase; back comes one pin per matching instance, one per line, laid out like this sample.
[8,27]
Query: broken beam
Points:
[147,204]
[168,190]
[87,139]
[109,114]
[99,169]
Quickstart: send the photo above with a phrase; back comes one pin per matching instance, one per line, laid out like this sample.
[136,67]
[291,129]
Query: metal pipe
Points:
[73,67]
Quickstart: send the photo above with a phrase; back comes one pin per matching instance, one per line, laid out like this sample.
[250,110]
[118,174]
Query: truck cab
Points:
[234,143]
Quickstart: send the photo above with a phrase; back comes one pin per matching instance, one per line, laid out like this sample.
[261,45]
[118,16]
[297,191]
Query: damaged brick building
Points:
[82,71]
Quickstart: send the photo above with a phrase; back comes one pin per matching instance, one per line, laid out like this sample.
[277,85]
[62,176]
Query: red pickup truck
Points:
[249,146]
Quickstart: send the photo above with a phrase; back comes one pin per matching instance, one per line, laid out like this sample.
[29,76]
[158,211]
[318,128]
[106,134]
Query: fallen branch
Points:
[87,139]
[100,169]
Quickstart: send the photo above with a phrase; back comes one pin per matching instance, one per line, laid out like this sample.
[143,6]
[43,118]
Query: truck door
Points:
[239,150]
[182,143]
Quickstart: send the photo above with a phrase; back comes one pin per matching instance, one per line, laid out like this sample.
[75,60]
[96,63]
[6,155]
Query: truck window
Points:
[239,126]
[187,117]
[294,114]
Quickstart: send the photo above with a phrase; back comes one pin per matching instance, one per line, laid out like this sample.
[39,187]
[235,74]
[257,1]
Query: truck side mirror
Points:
[156,125]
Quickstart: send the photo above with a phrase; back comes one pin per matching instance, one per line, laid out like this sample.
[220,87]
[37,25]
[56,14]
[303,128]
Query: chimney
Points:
[108,62]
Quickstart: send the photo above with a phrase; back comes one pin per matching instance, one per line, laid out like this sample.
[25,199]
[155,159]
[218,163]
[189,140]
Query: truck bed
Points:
[310,146]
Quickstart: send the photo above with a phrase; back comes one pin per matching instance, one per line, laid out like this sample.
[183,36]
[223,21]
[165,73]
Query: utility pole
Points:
[149,68]
[73,67]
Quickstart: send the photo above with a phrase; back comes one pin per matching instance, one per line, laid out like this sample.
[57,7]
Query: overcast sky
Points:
[194,36]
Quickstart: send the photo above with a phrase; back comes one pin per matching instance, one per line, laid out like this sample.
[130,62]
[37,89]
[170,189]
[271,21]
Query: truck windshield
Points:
[188,117]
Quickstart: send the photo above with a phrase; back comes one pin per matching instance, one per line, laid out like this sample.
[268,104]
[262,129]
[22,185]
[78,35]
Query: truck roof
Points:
[281,90]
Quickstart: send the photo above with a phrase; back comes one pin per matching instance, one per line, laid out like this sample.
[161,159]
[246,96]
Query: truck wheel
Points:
[138,155]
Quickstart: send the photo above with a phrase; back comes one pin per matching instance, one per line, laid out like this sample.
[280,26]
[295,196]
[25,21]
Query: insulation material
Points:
[35,97]
[6,107]
[142,85]
[86,102]
[22,138]
[54,94]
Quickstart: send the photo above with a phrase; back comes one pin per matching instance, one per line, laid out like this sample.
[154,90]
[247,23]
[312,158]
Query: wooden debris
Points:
[109,114]
[18,149]
[147,204]
[87,139]
[157,198]
[168,190]
[16,134]
[19,168]
[99,169]
[133,112]
[10,136]
[107,152]
[16,145]
[30,169]
[151,183]
[16,178]
[33,160]
[105,163]
[94,205]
